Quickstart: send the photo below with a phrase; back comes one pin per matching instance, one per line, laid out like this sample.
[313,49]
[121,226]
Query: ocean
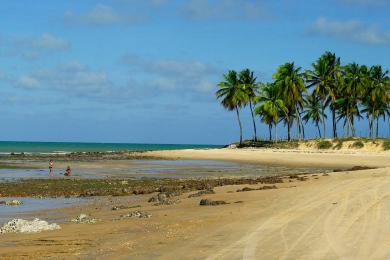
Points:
[7,147]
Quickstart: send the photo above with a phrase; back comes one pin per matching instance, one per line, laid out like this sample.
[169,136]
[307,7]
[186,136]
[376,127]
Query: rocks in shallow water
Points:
[84,219]
[12,202]
[136,214]
[26,226]
[261,188]
[200,193]
[207,202]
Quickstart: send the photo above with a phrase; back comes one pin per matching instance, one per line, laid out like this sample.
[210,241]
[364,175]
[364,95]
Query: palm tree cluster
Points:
[296,97]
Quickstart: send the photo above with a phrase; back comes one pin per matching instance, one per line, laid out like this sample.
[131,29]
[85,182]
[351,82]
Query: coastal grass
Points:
[319,143]
[358,144]
[282,144]
[325,144]
[386,144]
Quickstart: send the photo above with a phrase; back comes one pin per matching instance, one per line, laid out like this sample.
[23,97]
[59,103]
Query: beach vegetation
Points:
[358,144]
[296,97]
[325,144]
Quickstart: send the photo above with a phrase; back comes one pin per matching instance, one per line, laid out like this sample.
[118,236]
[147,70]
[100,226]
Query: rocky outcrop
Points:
[26,226]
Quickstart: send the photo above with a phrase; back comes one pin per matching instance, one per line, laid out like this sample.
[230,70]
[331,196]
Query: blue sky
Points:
[146,71]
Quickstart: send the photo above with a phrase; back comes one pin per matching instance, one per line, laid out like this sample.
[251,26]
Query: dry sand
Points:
[341,216]
[292,158]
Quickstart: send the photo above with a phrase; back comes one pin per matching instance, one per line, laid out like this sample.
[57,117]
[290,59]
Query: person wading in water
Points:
[68,171]
[51,168]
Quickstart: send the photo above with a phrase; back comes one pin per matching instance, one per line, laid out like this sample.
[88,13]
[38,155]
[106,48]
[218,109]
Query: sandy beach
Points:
[292,158]
[340,215]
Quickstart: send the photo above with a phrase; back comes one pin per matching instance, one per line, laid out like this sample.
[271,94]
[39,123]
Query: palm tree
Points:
[232,95]
[348,109]
[313,111]
[383,111]
[248,82]
[290,83]
[376,96]
[271,107]
[355,81]
[324,77]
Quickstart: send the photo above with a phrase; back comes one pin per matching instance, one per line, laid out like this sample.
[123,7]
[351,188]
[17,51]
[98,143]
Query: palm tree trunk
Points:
[276,132]
[369,118]
[254,123]
[372,121]
[270,131]
[239,123]
[377,126]
[323,117]
[319,130]
[334,119]
[288,130]
[299,123]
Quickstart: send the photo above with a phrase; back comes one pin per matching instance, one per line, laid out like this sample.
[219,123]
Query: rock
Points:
[162,199]
[125,207]
[207,202]
[268,187]
[136,214]
[14,203]
[2,202]
[200,193]
[84,219]
[265,187]
[245,189]
[25,226]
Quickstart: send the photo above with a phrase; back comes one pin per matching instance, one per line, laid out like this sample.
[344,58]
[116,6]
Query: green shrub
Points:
[338,145]
[324,144]
[386,144]
[358,144]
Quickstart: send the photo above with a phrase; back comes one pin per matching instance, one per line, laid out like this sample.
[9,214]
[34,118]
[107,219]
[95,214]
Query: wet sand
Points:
[343,215]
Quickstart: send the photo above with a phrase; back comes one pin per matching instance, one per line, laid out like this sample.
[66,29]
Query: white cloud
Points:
[224,9]
[351,30]
[366,2]
[33,47]
[102,15]
[72,78]
[28,82]
[44,42]
[173,75]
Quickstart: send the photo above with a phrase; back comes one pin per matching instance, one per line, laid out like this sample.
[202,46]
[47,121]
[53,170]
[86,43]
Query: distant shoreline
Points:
[49,148]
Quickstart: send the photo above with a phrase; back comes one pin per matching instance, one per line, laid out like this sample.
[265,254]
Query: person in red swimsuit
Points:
[51,168]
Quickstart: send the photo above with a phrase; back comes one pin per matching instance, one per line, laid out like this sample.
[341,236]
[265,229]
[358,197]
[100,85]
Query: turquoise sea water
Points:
[64,147]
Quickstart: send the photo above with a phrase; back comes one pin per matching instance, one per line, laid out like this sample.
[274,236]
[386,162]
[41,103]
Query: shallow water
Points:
[34,204]
[163,169]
